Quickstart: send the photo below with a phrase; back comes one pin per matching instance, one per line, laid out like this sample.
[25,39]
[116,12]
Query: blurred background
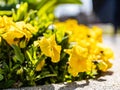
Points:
[104,13]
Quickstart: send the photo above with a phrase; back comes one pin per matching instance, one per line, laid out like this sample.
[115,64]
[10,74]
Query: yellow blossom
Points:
[50,48]
[28,27]
[13,37]
[102,52]
[78,60]
[102,55]
[17,33]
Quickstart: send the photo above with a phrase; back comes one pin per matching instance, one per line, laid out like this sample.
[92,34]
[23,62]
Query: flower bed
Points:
[36,51]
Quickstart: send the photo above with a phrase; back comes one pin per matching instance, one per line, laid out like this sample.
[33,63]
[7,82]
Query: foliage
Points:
[34,50]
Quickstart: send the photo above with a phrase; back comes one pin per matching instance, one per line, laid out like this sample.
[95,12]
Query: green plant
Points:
[32,53]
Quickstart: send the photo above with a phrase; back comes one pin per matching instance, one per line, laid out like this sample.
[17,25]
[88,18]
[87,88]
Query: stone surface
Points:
[109,81]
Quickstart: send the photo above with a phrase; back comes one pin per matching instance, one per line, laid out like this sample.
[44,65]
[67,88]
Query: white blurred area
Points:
[74,9]
[83,13]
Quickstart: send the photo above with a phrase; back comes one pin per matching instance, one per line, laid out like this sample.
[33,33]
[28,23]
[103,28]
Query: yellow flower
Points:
[13,37]
[102,52]
[78,60]
[102,55]
[40,65]
[106,56]
[17,34]
[50,48]
[28,27]
[25,28]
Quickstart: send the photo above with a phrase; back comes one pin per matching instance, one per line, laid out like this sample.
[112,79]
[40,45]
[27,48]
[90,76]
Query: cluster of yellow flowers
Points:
[18,33]
[87,48]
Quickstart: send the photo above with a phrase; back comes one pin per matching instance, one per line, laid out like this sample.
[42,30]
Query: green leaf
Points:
[1,77]
[49,75]
[6,67]
[45,76]
[60,34]
[46,7]
[42,3]
[69,1]
[18,54]
[9,83]
[15,67]
[29,56]
[21,12]
[5,12]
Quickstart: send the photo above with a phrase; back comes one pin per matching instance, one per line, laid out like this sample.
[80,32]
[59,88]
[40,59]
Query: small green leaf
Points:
[9,83]
[60,34]
[45,76]
[15,67]
[18,54]
[46,7]
[6,67]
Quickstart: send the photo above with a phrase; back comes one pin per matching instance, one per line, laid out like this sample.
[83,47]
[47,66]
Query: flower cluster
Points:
[35,49]
[86,48]
[29,56]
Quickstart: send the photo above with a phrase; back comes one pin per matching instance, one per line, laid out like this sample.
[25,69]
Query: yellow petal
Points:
[12,37]
[50,48]
[45,46]
[56,53]
[72,71]
[40,65]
